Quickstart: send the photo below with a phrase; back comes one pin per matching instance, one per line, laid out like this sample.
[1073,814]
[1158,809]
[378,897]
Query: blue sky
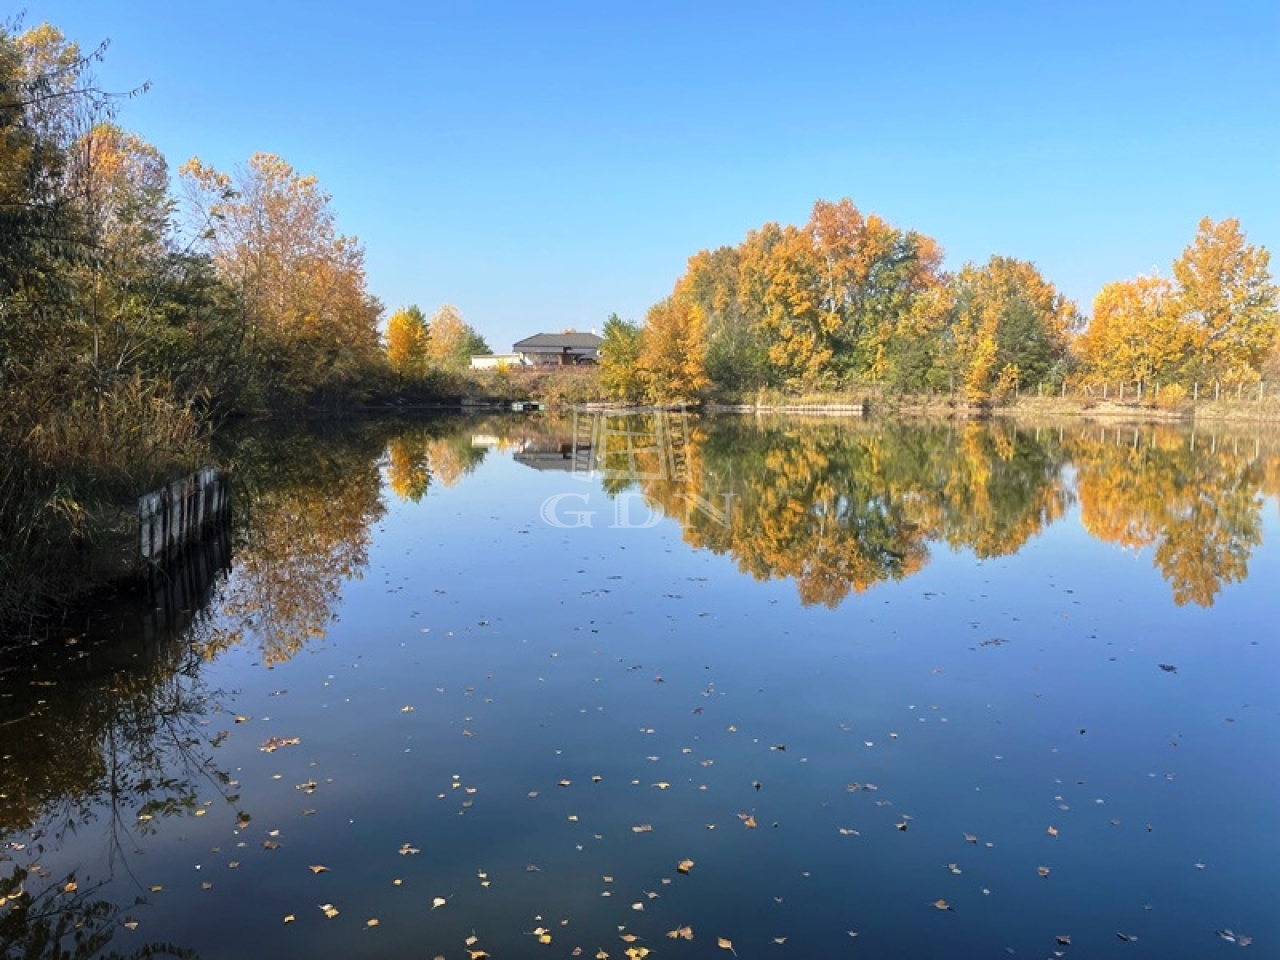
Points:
[543,165]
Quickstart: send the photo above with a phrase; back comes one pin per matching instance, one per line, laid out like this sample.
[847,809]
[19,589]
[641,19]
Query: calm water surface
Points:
[805,688]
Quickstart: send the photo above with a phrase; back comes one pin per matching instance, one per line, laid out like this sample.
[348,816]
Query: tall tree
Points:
[1009,326]
[619,360]
[1136,333]
[407,342]
[1227,297]
[273,238]
[673,350]
[452,340]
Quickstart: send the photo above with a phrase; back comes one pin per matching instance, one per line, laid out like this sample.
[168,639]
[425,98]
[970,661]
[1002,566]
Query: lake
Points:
[675,685]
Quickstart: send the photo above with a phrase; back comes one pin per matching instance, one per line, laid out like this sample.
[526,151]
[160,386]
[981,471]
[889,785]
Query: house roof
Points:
[559,341]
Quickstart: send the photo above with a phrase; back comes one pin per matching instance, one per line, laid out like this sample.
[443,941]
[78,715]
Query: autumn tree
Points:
[407,342]
[1136,333]
[781,279]
[452,340]
[737,356]
[1008,326]
[672,350]
[870,272]
[273,237]
[1226,297]
[619,360]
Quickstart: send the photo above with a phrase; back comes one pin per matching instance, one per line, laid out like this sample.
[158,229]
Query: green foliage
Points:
[619,356]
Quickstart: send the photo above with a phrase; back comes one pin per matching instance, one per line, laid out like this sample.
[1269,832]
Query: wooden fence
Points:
[180,513]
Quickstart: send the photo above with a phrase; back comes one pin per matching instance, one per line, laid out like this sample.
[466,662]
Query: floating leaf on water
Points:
[1063,940]
[724,944]
[637,906]
[271,844]
[684,866]
[289,918]
[1043,871]
[628,938]
[642,828]
[438,902]
[70,887]
[329,910]
[662,786]
[131,924]
[1053,831]
[681,933]
[318,868]
[371,922]
[1126,937]
[942,905]
[602,955]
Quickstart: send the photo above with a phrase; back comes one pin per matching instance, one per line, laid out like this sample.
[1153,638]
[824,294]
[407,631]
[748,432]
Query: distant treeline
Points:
[849,300]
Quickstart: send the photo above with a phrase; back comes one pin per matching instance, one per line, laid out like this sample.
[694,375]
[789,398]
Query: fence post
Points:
[1122,391]
[1217,390]
[1195,392]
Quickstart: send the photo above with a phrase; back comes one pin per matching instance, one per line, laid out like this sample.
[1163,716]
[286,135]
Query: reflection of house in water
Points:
[536,452]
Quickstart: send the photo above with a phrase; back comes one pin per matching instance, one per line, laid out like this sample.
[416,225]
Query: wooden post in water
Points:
[178,513]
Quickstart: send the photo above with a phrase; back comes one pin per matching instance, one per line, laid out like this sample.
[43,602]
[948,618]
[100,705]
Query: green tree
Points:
[620,360]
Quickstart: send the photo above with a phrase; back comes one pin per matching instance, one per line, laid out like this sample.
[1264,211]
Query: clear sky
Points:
[541,165]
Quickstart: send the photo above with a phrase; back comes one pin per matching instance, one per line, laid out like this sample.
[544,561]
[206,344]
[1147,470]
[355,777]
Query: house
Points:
[558,349]
[494,361]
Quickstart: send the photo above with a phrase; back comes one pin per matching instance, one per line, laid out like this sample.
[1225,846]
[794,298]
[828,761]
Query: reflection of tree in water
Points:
[1196,500]
[304,512]
[85,743]
[839,506]
[438,451]
[986,487]
[61,922]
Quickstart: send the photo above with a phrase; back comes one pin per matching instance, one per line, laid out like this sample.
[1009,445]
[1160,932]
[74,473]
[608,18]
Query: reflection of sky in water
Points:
[532,655]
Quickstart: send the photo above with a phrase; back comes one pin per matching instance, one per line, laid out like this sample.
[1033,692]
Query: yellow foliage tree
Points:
[672,357]
[1009,324]
[407,342]
[273,239]
[1226,296]
[1136,333]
